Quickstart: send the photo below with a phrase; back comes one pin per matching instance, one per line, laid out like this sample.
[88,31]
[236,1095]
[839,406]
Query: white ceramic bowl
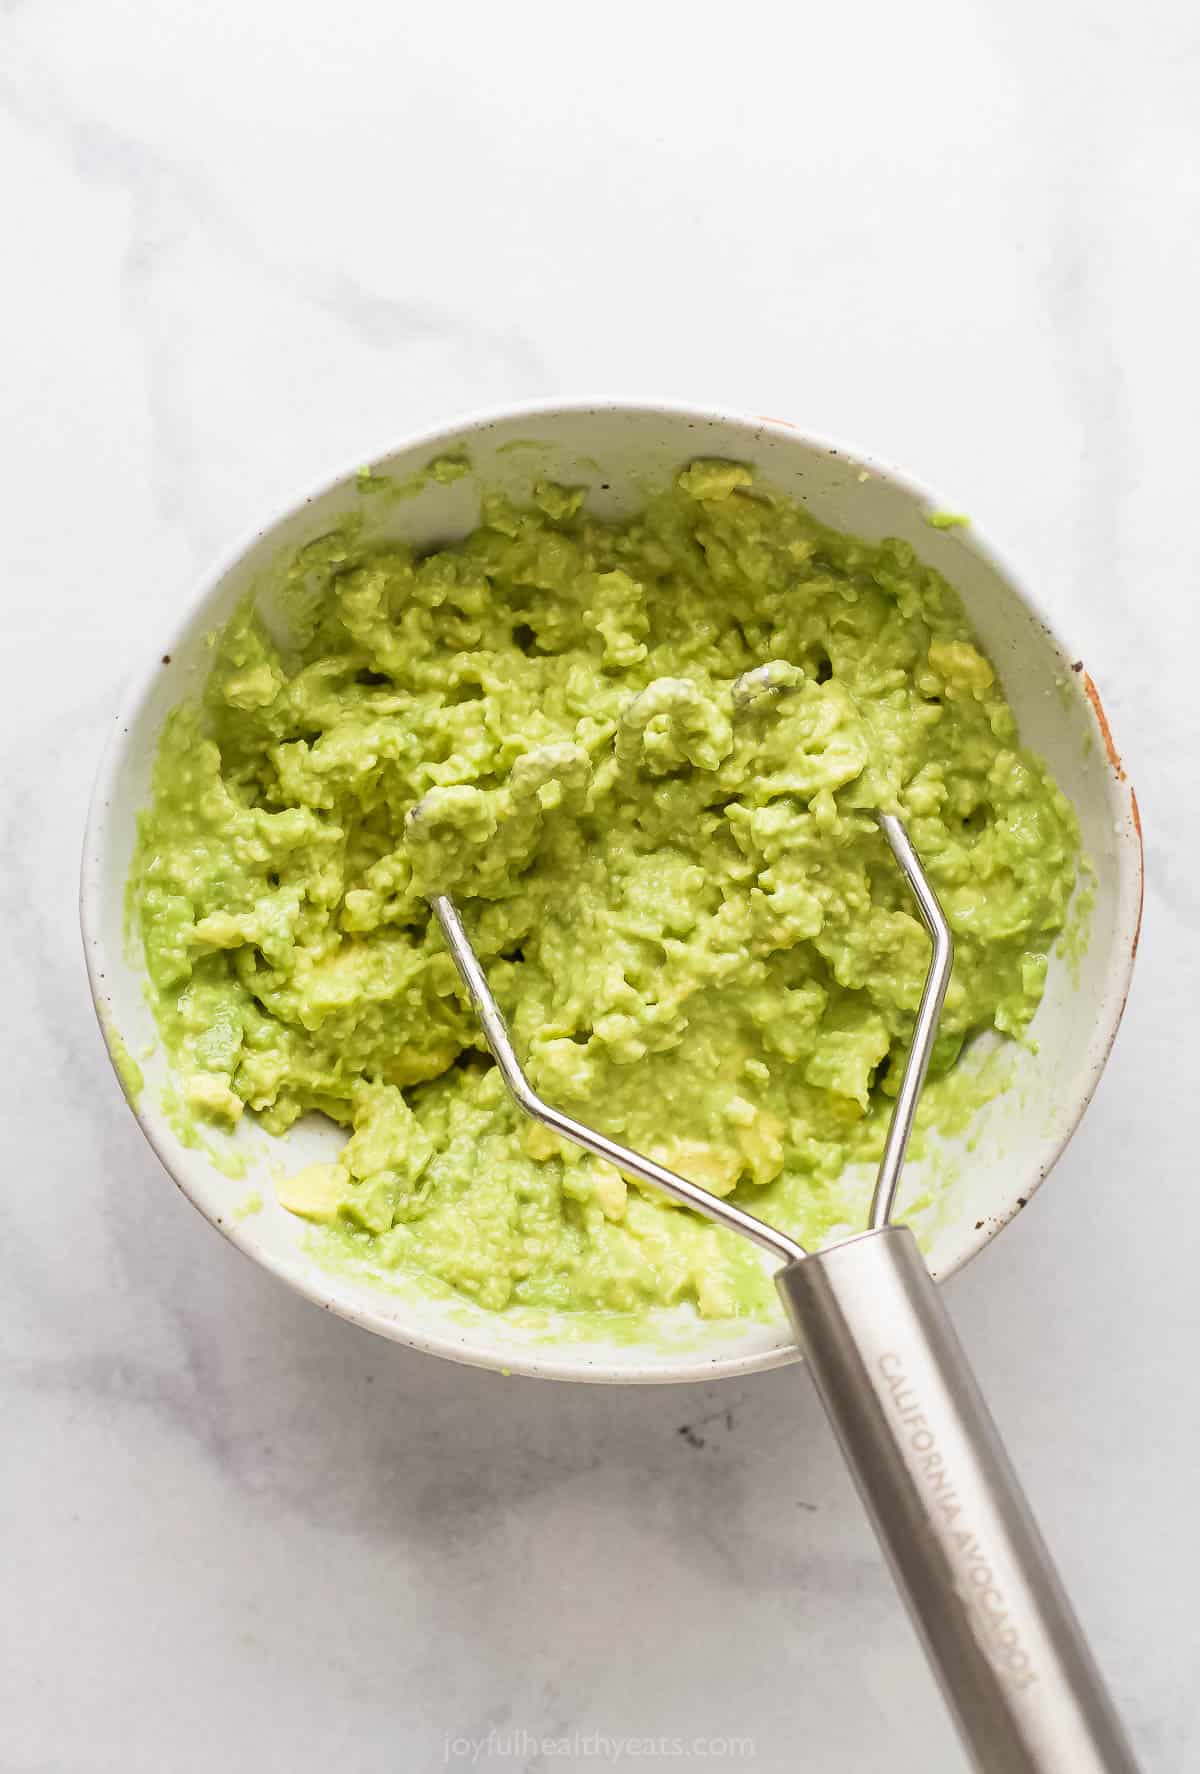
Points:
[615,450]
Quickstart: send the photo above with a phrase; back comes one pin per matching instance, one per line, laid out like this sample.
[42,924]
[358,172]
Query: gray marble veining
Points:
[244,244]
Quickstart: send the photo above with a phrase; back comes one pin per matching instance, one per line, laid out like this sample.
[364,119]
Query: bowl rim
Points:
[538,1361]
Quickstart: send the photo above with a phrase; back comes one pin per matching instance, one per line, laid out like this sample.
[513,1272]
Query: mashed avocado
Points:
[642,756]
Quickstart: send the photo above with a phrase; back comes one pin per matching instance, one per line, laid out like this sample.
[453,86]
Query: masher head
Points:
[725,1213]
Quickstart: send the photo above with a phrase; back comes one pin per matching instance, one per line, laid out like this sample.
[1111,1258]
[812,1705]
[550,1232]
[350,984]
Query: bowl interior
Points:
[617,453]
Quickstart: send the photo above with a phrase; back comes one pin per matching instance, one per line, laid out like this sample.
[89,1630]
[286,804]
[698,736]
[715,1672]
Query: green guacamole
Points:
[642,756]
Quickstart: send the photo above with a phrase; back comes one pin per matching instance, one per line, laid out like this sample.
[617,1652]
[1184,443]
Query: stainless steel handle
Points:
[949,1511]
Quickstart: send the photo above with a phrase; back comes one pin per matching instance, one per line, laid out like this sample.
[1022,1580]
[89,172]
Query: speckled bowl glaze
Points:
[617,450]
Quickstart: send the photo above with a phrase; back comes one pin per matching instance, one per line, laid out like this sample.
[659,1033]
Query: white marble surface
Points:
[242,242]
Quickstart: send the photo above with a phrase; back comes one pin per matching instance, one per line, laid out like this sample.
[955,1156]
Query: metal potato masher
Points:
[917,1435]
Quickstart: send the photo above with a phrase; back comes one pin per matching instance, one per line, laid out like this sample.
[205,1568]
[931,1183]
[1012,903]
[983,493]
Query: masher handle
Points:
[949,1511]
